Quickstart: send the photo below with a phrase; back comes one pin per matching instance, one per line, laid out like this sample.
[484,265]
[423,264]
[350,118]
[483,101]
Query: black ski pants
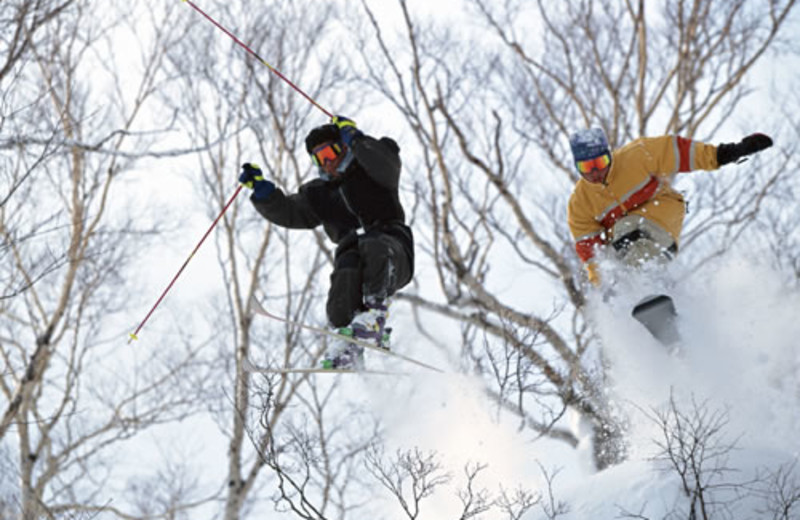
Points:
[368,268]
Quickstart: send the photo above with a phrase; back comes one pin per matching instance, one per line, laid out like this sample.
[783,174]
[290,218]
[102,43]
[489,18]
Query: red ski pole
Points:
[133,335]
[259,58]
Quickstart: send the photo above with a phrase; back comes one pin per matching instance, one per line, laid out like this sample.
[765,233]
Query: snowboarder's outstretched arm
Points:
[290,211]
[670,154]
[674,154]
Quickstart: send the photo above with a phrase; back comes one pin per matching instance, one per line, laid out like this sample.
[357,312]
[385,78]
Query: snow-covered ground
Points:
[738,373]
[739,368]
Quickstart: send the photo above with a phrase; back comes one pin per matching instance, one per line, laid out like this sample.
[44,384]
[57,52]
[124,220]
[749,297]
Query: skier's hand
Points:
[753,143]
[347,130]
[252,178]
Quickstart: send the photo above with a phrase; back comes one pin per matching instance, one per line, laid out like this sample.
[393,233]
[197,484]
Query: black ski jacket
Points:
[365,197]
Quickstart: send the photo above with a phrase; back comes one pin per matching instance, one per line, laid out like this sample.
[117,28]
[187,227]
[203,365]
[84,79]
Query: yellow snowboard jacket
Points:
[638,183]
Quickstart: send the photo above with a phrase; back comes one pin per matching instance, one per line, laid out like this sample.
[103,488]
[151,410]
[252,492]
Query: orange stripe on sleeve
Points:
[684,158]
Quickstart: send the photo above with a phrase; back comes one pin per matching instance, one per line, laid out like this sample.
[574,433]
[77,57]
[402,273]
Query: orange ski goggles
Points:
[326,153]
[597,163]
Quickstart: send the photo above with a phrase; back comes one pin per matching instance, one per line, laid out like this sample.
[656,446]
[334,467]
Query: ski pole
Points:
[133,335]
[259,58]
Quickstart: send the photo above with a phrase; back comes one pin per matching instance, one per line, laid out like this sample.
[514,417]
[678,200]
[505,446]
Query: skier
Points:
[625,201]
[356,201]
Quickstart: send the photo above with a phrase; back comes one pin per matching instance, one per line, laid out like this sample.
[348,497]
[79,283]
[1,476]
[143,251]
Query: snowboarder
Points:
[625,200]
[356,201]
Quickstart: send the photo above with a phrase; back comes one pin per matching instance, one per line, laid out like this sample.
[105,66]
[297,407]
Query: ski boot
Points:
[368,325]
[344,355]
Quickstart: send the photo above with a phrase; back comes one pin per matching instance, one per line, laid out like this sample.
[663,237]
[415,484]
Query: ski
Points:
[259,309]
[251,367]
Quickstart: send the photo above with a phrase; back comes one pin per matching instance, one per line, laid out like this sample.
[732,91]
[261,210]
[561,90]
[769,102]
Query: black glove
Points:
[730,152]
[252,178]
[347,130]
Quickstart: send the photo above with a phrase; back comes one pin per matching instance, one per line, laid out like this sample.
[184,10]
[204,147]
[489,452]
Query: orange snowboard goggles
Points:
[326,153]
[590,164]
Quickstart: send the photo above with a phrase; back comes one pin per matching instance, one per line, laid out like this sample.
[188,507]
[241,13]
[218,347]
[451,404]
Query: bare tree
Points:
[491,118]
[22,21]
[314,457]
[410,476]
[696,446]
[775,230]
[71,391]
[781,492]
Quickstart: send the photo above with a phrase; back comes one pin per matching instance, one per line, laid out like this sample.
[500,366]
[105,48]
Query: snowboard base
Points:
[657,313]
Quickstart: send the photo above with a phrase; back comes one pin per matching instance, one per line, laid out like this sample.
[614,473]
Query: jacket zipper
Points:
[349,207]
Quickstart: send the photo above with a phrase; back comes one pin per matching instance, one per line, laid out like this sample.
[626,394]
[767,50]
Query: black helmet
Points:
[321,134]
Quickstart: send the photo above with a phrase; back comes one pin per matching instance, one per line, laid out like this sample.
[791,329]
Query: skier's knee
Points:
[344,296]
[339,316]
[347,253]
[381,263]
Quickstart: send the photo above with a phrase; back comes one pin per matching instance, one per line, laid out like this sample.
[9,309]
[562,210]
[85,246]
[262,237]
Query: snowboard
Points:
[657,313]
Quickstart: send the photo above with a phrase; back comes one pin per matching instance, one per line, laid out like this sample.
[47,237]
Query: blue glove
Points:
[252,178]
[347,130]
